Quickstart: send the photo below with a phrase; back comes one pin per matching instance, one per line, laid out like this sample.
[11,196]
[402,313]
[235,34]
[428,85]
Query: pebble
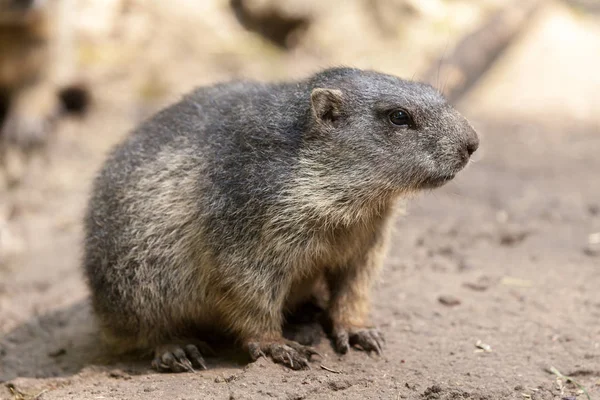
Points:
[449,300]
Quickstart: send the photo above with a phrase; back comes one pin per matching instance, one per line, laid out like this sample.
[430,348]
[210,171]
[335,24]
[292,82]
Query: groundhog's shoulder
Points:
[234,113]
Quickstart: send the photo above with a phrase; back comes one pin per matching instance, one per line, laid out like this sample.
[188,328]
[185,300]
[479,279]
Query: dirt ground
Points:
[492,282]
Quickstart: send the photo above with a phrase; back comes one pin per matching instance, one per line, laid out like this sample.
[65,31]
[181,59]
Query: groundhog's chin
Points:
[436,181]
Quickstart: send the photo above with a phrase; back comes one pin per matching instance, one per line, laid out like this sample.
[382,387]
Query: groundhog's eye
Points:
[400,118]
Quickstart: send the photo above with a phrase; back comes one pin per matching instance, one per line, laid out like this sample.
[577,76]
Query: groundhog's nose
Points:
[469,145]
[472,146]
[471,140]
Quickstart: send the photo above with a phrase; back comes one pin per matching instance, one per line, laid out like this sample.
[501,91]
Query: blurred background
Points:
[77,75]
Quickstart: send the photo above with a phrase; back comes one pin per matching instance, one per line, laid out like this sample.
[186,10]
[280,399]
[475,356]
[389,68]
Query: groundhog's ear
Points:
[326,104]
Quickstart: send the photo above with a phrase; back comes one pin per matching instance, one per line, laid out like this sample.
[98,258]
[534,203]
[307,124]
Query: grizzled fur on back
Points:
[228,207]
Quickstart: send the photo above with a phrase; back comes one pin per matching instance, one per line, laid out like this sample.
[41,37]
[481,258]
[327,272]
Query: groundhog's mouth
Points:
[437,181]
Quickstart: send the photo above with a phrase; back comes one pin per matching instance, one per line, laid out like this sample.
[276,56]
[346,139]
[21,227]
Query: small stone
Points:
[478,287]
[449,300]
[591,250]
[483,346]
[513,238]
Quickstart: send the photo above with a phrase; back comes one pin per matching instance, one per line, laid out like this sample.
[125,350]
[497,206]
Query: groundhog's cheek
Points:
[416,168]
[450,155]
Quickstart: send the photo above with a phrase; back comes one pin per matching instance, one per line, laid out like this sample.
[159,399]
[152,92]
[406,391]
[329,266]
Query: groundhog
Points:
[232,206]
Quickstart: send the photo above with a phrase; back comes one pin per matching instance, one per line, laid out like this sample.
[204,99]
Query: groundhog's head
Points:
[402,134]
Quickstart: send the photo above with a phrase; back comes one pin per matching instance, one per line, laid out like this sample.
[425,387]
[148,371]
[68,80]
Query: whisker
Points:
[441,63]
[443,88]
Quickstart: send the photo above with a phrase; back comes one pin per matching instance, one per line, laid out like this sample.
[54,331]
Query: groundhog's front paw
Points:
[286,352]
[176,358]
[367,339]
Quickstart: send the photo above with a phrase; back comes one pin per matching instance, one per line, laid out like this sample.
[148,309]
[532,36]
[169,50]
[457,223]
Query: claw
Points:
[310,352]
[174,358]
[368,340]
[195,356]
[307,351]
[342,342]
[255,351]
[364,339]
[169,360]
[290,354]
